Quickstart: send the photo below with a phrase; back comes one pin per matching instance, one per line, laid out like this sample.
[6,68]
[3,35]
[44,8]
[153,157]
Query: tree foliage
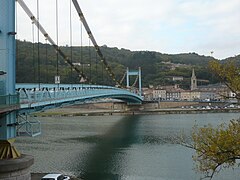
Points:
[216,148]
[229,73]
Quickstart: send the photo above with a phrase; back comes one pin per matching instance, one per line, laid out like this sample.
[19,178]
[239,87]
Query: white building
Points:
[159,94]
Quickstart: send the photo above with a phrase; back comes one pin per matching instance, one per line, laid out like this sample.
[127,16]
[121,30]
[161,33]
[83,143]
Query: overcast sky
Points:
[166,26]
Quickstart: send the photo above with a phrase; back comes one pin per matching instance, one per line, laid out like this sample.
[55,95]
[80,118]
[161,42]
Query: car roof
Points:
[51,175]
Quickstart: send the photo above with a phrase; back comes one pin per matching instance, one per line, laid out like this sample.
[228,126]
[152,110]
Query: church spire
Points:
[193,80]
[193,73]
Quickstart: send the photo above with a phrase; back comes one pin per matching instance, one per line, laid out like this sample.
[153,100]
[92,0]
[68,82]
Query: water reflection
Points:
[140,139]
[100,159]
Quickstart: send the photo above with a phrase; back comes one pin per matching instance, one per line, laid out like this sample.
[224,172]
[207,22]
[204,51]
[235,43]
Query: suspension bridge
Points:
[17,99]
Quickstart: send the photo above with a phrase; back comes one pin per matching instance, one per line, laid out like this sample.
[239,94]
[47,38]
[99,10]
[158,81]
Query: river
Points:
[120,147]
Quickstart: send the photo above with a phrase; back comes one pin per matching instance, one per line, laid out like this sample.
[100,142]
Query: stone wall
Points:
[168,104]
[177,104]
[103,105]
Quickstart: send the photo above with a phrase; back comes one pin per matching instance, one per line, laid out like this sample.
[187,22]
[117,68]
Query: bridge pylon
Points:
[134,73]
[13,165]
[7,79]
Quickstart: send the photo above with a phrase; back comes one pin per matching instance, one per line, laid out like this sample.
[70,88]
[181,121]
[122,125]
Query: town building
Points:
[189,95]
[173,94]
[216,92]
[175,78]
[147,94]
[159,94]
[208,95]
[211,92]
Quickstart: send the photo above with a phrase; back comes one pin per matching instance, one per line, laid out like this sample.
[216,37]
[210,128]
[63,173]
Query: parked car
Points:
[55,177]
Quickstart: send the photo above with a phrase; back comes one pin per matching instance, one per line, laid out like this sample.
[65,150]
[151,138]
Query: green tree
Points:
[219,147]
[229,73]
[156,67]
[216,148]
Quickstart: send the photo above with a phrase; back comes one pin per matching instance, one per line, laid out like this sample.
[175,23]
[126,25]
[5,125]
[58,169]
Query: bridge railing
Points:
[57,94]
[32,96]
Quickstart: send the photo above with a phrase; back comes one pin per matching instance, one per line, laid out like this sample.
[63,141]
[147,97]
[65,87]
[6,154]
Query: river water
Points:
[137,147]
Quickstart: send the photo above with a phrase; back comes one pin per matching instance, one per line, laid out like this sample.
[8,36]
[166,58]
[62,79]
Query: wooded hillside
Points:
[157,68]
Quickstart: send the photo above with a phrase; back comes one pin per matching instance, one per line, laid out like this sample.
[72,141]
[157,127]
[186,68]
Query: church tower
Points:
[193,81]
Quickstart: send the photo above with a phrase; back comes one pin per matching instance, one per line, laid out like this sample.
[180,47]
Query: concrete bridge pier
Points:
[16,169]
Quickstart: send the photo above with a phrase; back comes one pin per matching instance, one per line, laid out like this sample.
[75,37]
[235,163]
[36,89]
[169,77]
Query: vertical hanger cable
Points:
[71,40]
[57,70]
[38,56]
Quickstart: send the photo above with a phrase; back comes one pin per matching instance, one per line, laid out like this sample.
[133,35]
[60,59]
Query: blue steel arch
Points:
[52,95]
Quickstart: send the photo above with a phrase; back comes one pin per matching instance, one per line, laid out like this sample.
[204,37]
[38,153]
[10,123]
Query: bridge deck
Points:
[35,96]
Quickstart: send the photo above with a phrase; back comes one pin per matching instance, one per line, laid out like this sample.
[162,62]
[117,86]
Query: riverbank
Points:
[78,111]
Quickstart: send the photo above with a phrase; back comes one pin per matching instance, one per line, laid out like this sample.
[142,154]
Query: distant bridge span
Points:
[35,97]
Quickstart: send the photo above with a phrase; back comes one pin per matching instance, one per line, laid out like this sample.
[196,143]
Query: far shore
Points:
[79,111]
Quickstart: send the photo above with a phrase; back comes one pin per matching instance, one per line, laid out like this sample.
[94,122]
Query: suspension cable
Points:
[70,9]
[57,36]
[33,53]
[124,75]
[55,46]
[135,82]
[90,62]
[96,68]
[81,53]
[46,60]
[81,56]
[38,58]
[102,58]
[102,72]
